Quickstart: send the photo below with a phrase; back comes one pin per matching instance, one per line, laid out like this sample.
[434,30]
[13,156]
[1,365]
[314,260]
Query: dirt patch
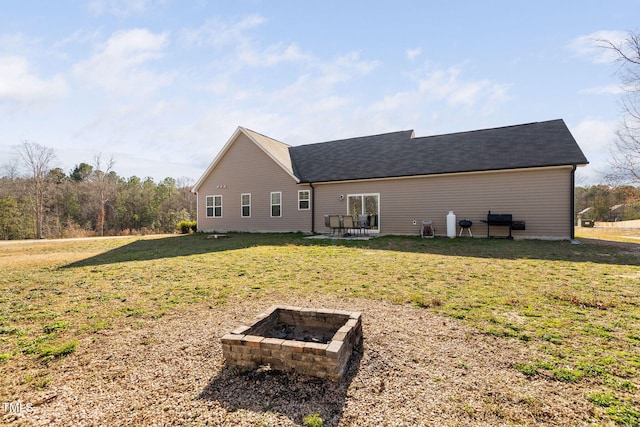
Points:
[415,369]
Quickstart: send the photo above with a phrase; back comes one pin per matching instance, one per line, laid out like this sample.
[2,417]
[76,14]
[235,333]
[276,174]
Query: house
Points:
[259,184]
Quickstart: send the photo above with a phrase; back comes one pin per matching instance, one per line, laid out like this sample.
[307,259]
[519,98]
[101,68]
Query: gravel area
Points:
[416,369]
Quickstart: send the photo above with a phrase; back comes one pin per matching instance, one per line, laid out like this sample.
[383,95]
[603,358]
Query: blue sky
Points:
[160,85]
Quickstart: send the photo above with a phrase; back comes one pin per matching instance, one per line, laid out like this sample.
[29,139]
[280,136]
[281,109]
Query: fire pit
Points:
[316,342]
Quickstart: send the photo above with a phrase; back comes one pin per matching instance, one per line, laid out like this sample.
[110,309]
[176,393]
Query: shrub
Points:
[186,226]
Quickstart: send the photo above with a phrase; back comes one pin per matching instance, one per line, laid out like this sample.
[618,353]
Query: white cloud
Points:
[18,43]
[438,93]
[344,68]
[221,34]
[124,8]
[448,86]
[119,66]
[604,90]
[78,37]
[320,89]
[590,45]
[19,84]
[594,138]
[246,51]
[272,55]
[595,135]
[413,53]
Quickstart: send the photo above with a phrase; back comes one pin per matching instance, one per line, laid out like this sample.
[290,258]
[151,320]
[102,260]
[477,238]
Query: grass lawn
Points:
[578,305]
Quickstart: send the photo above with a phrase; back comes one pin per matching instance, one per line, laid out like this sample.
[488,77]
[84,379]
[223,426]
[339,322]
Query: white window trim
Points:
[363,195]
[242,206]
[206,206]
[271,204]
[213,206]
[308,200]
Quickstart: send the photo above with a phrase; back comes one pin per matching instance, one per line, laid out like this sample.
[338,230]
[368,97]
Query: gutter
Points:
[573,196]
[313,208]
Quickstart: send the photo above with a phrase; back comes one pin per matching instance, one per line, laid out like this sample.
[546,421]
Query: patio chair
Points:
[334,224]
[373,222]
[363,223]
[427,229]
[348,223]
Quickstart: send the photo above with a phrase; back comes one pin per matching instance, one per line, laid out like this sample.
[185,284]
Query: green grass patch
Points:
[567,375]
[603,399]
[624,414]
[577,304]
[60,325]
[527,369]
[313,420]
[94,326]
[49,351]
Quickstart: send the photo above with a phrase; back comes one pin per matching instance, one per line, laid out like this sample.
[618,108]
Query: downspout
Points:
[197,211]
[573,202]
[313,208]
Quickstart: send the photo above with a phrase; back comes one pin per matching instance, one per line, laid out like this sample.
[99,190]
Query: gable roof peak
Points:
[260,135]
[276,150]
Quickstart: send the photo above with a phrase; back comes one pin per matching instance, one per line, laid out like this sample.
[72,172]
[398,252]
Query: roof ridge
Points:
[486,129]
[356,138]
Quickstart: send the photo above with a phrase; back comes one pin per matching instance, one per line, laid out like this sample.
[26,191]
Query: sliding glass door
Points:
[365,204]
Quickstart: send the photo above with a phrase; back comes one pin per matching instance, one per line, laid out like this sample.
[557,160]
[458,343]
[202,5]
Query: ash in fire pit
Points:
[300,333]
[316,342]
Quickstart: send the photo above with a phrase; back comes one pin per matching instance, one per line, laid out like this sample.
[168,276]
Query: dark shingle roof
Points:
[399,154]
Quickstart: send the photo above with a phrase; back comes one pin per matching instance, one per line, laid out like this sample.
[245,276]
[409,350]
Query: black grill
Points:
[499,219]
[503,220]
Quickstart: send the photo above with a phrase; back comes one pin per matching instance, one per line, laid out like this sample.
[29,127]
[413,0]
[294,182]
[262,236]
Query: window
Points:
[276,204]
[245,202]
[214,206]
[303,200]
[367,205]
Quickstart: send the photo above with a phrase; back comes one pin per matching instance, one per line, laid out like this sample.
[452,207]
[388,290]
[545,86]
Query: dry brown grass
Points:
[630,235]
[82,317]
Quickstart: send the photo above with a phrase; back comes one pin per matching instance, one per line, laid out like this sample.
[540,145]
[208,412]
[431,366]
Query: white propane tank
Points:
[451,225]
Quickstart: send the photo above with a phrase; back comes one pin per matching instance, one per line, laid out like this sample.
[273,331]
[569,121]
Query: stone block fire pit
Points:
[316,342]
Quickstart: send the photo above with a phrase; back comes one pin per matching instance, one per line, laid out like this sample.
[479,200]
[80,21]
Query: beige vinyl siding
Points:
[540,197]
[245,168]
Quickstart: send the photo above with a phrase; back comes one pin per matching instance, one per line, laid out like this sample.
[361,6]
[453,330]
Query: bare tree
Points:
[103,182]
[10,169]
[625,150]
[37,160]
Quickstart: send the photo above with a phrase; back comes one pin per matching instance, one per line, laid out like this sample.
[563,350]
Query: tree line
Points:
[608,203]
[38,201]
